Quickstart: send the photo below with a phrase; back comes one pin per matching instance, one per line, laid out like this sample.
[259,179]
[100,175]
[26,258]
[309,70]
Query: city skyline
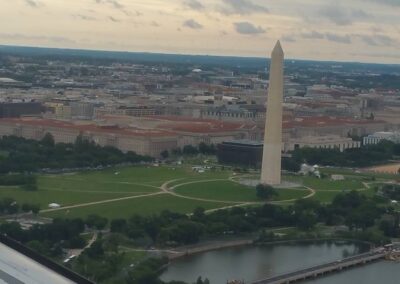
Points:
[357,30]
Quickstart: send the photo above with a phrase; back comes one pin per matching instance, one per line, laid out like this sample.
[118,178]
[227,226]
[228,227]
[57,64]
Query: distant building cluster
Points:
[152,107]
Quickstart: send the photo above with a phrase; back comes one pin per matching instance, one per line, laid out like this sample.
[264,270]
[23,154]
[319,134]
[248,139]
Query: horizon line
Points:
[192,54]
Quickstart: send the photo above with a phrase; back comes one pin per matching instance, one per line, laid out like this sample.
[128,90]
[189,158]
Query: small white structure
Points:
[54,205]
[310,170]
[198,169]
[337,177]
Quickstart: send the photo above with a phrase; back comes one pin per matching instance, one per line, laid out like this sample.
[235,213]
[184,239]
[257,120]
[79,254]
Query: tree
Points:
[306,220]
[27,207]
[29,187]
[207,149]
[164,154]
[10,206]
[265,192]
[95,250]
[190,150]
[95,221]
[48,140]
[198,214]
[118,225]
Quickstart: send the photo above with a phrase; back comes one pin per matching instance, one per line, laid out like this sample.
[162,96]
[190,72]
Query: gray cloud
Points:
[248,28]
[241,7]
[313,35]
[84,17]
[114,3]
[386,2]
[342,16]
[289,38]
[193,4]
[112,19]
[31,3]
[192,24]
[377,40]
[338,38]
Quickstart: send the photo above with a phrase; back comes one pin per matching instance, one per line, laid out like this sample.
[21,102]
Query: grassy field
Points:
[64,198]
[232,191]
[327,183]
[83,188]
[218,190]
[142,206]
[291,193]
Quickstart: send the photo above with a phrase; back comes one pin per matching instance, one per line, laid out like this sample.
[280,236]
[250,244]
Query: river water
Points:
[252,263]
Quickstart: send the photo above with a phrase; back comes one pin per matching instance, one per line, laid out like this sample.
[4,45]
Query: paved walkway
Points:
[101,202]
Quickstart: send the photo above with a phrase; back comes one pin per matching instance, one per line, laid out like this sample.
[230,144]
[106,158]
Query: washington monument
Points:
[271,163]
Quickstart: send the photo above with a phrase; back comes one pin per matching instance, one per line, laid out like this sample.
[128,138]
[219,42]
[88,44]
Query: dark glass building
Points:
[241,153]
[20,109]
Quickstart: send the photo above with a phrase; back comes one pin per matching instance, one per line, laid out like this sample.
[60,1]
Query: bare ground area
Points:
[387,169]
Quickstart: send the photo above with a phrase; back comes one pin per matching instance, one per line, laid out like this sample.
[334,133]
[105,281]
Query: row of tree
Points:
[24,181]
[50,239]
[358,157]
[25,155]
[391,191]
[9,206]
[190,150]
[351,209]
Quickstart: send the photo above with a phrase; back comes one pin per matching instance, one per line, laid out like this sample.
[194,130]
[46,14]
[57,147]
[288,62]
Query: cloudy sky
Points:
[344,30]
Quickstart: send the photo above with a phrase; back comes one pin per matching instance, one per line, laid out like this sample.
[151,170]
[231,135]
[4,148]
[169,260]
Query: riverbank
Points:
[185,251]
[251,263]
[205,247]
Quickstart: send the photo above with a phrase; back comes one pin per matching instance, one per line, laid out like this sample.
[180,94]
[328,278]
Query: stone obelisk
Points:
[271,163]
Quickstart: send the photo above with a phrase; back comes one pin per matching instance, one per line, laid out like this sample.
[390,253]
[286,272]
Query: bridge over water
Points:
[323,269]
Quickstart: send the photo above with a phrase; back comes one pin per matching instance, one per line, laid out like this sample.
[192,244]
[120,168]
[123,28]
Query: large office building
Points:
[143,142]
[380,136]
[321,142]
[18,109]
[145,136]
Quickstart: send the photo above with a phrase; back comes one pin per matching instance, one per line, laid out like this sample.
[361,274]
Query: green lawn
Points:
[325,196]
[232,191]
[65,198]
[328,196]
[92,186]
[142,206]
[327,183]
[359,174]
[291,193]
[87,183]
[218,190]
[155,176]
